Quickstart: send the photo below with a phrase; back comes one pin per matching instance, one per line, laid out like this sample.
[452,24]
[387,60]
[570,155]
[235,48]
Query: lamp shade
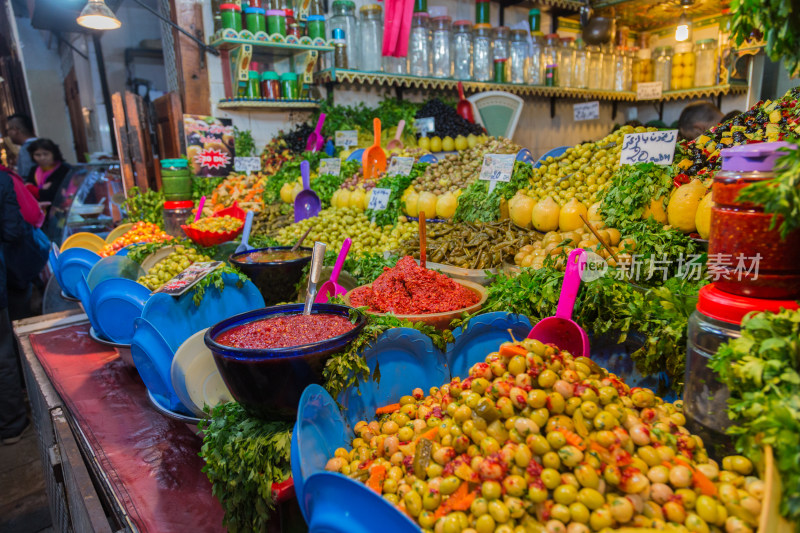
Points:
[97,15]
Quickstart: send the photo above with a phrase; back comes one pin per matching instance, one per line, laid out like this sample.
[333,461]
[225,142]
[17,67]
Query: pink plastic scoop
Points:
[330,288]
[199,214]
[561,330]
[315,139]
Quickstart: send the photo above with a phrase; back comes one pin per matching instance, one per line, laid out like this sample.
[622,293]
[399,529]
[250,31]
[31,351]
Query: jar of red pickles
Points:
[745,256]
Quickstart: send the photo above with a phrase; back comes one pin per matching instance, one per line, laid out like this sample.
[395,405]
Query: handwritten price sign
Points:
[332,166]
[651,147]
[401,166]
[346,138]
[247,164]
[497,167]
[586,111]
[649,91]
[424,126]
[379,199]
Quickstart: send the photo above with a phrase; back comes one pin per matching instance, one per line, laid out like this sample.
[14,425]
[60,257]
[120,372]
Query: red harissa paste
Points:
[285,331]
[408,289]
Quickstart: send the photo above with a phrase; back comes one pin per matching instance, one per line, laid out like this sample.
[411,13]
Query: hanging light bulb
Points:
[684,29]
[96,15]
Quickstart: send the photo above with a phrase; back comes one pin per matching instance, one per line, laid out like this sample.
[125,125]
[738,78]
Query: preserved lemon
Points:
[286,193]
[411,204]
[545,215]
[427,204]
[683,205]
[357,198]
[702,218]
[520,210]
[655,210]
[569,218]
[446,205]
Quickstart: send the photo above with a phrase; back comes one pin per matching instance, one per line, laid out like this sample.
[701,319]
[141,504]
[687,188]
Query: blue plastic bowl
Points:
[73,264]
[555,152]
[269,382]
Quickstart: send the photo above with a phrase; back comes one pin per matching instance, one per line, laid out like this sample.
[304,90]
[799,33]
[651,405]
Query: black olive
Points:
[694,169]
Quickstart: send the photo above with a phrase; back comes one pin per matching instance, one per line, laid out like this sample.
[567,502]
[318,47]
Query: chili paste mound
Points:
[285,331]
[408,289]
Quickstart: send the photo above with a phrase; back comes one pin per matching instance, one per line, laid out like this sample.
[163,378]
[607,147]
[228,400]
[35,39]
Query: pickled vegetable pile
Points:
[140,232]
[536,440]
[171,266]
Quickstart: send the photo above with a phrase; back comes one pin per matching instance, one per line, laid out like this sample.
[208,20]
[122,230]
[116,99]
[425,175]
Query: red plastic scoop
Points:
[561,330]
[464,108]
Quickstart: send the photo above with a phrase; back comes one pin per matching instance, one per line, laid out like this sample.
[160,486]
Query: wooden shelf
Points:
[266,105]
[701,92]
[228,39]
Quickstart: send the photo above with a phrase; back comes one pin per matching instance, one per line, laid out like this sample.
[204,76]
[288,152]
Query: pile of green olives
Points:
[171,266]
[535,440]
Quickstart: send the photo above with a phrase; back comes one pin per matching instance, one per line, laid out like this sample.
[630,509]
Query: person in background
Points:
[13,415]
[696,118]
[19,129]
[50,169]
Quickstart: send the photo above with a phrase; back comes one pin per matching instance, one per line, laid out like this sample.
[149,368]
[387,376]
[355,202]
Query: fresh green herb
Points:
[244,456]
[389,111]
[632,189]
[762,372]
[476,204]
[327,184]
[779,195]
[397,184]
[243,143]
[777,21]
[205,186]
[144,206]
[215,279]
[262,241]
[138,252]
[366,267]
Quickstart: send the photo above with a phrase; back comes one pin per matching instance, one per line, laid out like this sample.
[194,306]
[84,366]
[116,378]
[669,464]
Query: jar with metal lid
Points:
[716,320]
[441,31]
[253,85]
[519,56]
[176,214]
[371,28]
[314,7]
[550,57]
[231,17]
[339,43]
[580,71]
[566,62]
[594,60]
[683,67]
[642,68]
[748,258]
[534,72]
[316,26]
[706,60]
[662,66]
[176,179]
[255,19]
[620,72]
[289,87]
[344,18]
[462,50]
[270,85]
[482,62]
[419,47]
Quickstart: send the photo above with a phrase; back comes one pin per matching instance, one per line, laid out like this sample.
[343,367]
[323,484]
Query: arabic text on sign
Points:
[379,199]
[247,164]
[586,111]
[332,166]
[346,138]
[649,90]
[649,147]
[401,166]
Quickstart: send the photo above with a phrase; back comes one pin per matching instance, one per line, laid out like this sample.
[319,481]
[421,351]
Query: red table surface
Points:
[151,461]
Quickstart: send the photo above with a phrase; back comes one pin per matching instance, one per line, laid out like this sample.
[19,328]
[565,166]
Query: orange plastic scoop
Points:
[374,158]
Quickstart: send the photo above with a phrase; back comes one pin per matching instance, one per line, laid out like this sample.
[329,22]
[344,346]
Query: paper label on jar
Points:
[401,166]
[346,138]
[649,91]
[332,166]
[586,111]
[379,200]
[497,167]
[247,164]
[650,147]
[424,126]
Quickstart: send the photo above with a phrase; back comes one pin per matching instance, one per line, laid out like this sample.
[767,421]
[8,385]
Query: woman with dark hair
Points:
[50,171]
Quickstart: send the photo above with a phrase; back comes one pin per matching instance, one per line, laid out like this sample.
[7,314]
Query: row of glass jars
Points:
[685,66]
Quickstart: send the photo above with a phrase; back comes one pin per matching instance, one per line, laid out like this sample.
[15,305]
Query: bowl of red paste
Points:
[267,357]
[413,293]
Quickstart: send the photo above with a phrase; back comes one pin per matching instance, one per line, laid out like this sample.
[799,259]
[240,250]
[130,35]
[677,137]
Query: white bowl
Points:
[195,377]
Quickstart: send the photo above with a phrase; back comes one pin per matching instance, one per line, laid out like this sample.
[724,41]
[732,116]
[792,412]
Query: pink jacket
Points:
[28,205]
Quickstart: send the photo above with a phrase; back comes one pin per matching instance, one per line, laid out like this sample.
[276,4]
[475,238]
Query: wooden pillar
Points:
[191,61]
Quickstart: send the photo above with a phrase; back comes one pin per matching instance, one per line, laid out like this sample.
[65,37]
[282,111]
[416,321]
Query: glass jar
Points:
[176,214]
[441,30]
[314,7]
[501,44]
[535,20]
[462,50]
[642,68]
[550,59]
[289,88]
[255,19]
[231,17]
[253,85]
[394,65]
[176,179]
[482,11]
[662,66]
[519,56]
[276,22]
[534,71]
[683,67]
[609,60]
[566,62]
[594,60]
[580,72]
[716,320]
[620,75]
[316,27]
[419,47]
[751,259]
[420,6]
[270,85]
[292,27]
[344,18]
[339,49]
[371,28]
[482,53]
[706,60]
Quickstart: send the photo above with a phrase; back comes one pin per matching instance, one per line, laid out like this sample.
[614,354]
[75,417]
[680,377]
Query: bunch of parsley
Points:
[632,189]
[477,204]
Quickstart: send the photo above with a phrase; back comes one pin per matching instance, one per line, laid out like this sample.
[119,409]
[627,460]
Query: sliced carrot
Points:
[386,409]
[573,438]
[377,474]
[430,434]
[510,350]
[460,500]
[699,479]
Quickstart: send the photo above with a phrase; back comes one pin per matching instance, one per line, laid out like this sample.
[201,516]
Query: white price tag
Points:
[586,111]
[649,91]
[379,199]
[651,147]
[346,138]
[332,166]
[247,164]
[424,126]
[497,167]
[401,166]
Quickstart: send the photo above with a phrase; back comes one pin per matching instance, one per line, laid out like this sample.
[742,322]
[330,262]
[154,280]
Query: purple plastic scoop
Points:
[561,330]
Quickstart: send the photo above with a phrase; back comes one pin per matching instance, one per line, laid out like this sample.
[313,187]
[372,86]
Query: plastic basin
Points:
[275,280]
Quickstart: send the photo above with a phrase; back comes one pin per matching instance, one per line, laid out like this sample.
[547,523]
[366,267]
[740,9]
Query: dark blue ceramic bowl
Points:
[269,382]
[275,280]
